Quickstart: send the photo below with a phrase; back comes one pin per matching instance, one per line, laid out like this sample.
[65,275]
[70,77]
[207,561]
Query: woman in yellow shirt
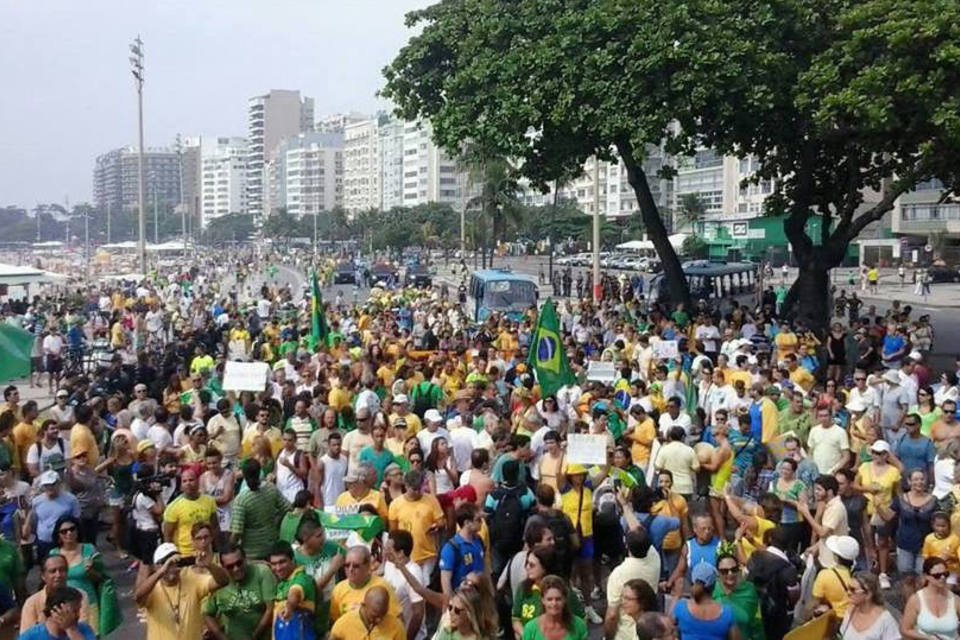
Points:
[879,481]
[577,503]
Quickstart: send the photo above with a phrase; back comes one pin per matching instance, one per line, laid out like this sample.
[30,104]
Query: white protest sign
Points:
[245,376]
[666,350]
[601,371]
[584,448]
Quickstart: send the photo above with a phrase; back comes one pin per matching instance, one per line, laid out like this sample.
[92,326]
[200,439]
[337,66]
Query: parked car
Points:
[943,273]
[345,274]
[418,276]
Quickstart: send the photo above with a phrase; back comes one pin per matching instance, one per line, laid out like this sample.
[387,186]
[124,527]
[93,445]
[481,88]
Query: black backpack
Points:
[423,398]
[508,520]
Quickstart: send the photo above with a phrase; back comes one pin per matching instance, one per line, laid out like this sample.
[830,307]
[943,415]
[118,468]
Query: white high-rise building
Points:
[271,118]
[429,173]
[716,180]
[306,175]
[361,166]
[223,178]
[391,133]
[338,122]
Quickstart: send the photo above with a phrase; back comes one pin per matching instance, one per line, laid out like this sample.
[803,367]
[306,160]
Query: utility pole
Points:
[136,67]
[597,287]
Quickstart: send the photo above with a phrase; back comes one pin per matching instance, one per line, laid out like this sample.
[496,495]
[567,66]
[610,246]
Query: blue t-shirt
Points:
[892,344]
[915,453]
[460,558]
[47,512]
[39,632]
[695,629]
[657,527]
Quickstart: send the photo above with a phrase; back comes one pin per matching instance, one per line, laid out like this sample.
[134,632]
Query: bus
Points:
[500,291]
[713,280]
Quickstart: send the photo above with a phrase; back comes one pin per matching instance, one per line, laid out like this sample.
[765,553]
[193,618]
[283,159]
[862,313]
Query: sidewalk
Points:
[41,395]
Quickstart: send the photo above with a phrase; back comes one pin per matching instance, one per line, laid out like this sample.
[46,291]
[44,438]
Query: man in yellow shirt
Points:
[202,361]
[641,432]
[798,375]
[81,435]
[188,509]
[349,594]
[262,429]
[25,433]
[421,515]
[786,341]
[372,619]
[401,411]
[359,493]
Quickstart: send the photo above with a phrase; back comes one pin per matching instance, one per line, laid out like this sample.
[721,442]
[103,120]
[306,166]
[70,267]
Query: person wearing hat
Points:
[172,595]
[359,491]
[832,581]
[701,615]
[62,412]
[46,509]
[879,480]
[401,411]
[433,422]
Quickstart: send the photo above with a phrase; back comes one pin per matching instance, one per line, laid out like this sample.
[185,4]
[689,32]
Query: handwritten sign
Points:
[586,449]
[601,371]
[245,376]
[666,350]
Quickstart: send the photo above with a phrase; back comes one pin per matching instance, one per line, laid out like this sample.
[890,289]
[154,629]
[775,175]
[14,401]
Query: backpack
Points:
[508,520]
[422,398]
[60,444]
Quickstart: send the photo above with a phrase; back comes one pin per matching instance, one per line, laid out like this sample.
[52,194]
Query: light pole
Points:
[597,287]
[136,67]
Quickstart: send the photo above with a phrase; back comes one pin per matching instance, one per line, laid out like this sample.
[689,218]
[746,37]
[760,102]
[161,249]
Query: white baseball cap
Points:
[164,551]
[400,398]
[432,415]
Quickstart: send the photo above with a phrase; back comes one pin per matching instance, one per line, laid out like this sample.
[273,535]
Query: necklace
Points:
[175,608]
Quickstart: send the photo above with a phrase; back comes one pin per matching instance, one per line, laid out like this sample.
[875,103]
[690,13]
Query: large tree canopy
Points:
[846,104]
[551,83]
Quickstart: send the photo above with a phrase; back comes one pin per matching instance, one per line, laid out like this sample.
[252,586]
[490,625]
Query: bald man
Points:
[372,619]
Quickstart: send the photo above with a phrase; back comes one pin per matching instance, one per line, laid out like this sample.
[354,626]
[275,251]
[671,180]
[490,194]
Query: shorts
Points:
[36,364]
[585,552]
[54,364]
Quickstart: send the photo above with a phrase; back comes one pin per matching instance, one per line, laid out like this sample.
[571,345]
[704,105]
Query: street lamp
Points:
[136,68]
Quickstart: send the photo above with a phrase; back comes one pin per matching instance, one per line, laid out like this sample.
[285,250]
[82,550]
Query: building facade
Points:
[361,166]
[223,178]
[391,134]
[306,174]
[271,118]
[429,173]
[116,179]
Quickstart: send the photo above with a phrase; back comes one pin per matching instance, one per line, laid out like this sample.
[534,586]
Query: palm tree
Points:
[691,211]
[496,182]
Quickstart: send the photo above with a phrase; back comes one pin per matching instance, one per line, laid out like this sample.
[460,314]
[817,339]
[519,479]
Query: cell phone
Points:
[186,561]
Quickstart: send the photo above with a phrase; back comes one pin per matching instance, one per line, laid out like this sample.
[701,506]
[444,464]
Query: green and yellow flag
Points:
[547,356]
[318,320]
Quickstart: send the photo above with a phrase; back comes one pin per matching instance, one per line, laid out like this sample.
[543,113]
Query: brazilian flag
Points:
[318,320]
[547,355]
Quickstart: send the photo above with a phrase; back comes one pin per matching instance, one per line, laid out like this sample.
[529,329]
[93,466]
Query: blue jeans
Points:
[909,563]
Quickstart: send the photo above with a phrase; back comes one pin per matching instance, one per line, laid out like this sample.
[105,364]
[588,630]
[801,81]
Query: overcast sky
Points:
[67,92]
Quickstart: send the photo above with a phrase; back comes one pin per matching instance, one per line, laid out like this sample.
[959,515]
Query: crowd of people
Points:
[409,476]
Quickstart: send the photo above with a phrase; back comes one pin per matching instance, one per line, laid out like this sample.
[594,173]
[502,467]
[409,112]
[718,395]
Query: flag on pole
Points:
[318,320]
[547,355]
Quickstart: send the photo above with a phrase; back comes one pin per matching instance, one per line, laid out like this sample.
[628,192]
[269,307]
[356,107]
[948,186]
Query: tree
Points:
[234,227]
[691,212]
[496,181]
[551,83]
[862,104]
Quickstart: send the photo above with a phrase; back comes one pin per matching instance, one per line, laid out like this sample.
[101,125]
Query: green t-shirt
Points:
[305,583]
[531,631]
[527,606]
[238,607]
[255,517]
[11,566]
[315,566]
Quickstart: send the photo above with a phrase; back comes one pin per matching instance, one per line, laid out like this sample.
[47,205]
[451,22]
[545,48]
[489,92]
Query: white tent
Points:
[14,275]
[676,241]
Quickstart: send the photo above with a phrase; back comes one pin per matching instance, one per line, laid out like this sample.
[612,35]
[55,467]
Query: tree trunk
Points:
[808,300]
[672,270]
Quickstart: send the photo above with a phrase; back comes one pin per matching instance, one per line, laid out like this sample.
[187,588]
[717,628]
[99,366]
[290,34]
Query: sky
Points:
[68,94]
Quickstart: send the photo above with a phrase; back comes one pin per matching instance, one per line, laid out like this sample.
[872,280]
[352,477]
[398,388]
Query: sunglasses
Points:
[233,565]
[729,571]
[939,575]
[456,610]
[70,529]
[353,565]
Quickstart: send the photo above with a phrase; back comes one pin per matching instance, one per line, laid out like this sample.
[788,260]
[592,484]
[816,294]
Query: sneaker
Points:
[884,581]
[596,594]
[592,616]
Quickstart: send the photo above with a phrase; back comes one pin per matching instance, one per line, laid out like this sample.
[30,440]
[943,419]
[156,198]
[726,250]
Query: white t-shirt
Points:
[827,446]
[263,309]
[53,345]
[708,335]
[154,320]
[463,440]
[160,437]
[140,428]
[42,456]
[405,593]
[141,512]
[666,423]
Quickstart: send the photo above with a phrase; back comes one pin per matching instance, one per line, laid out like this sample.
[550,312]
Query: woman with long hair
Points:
[927,409]
[557,620]
[172,393]
[527,602]
[741,595]
[789,488]
[85,570]
[879,481]
[933,611]
[867,617]
[464,619]
[701,616]
[636,599]
[443,475]
[119,466]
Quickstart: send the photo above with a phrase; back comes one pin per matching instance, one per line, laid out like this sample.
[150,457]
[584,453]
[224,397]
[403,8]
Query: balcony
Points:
[924,218]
